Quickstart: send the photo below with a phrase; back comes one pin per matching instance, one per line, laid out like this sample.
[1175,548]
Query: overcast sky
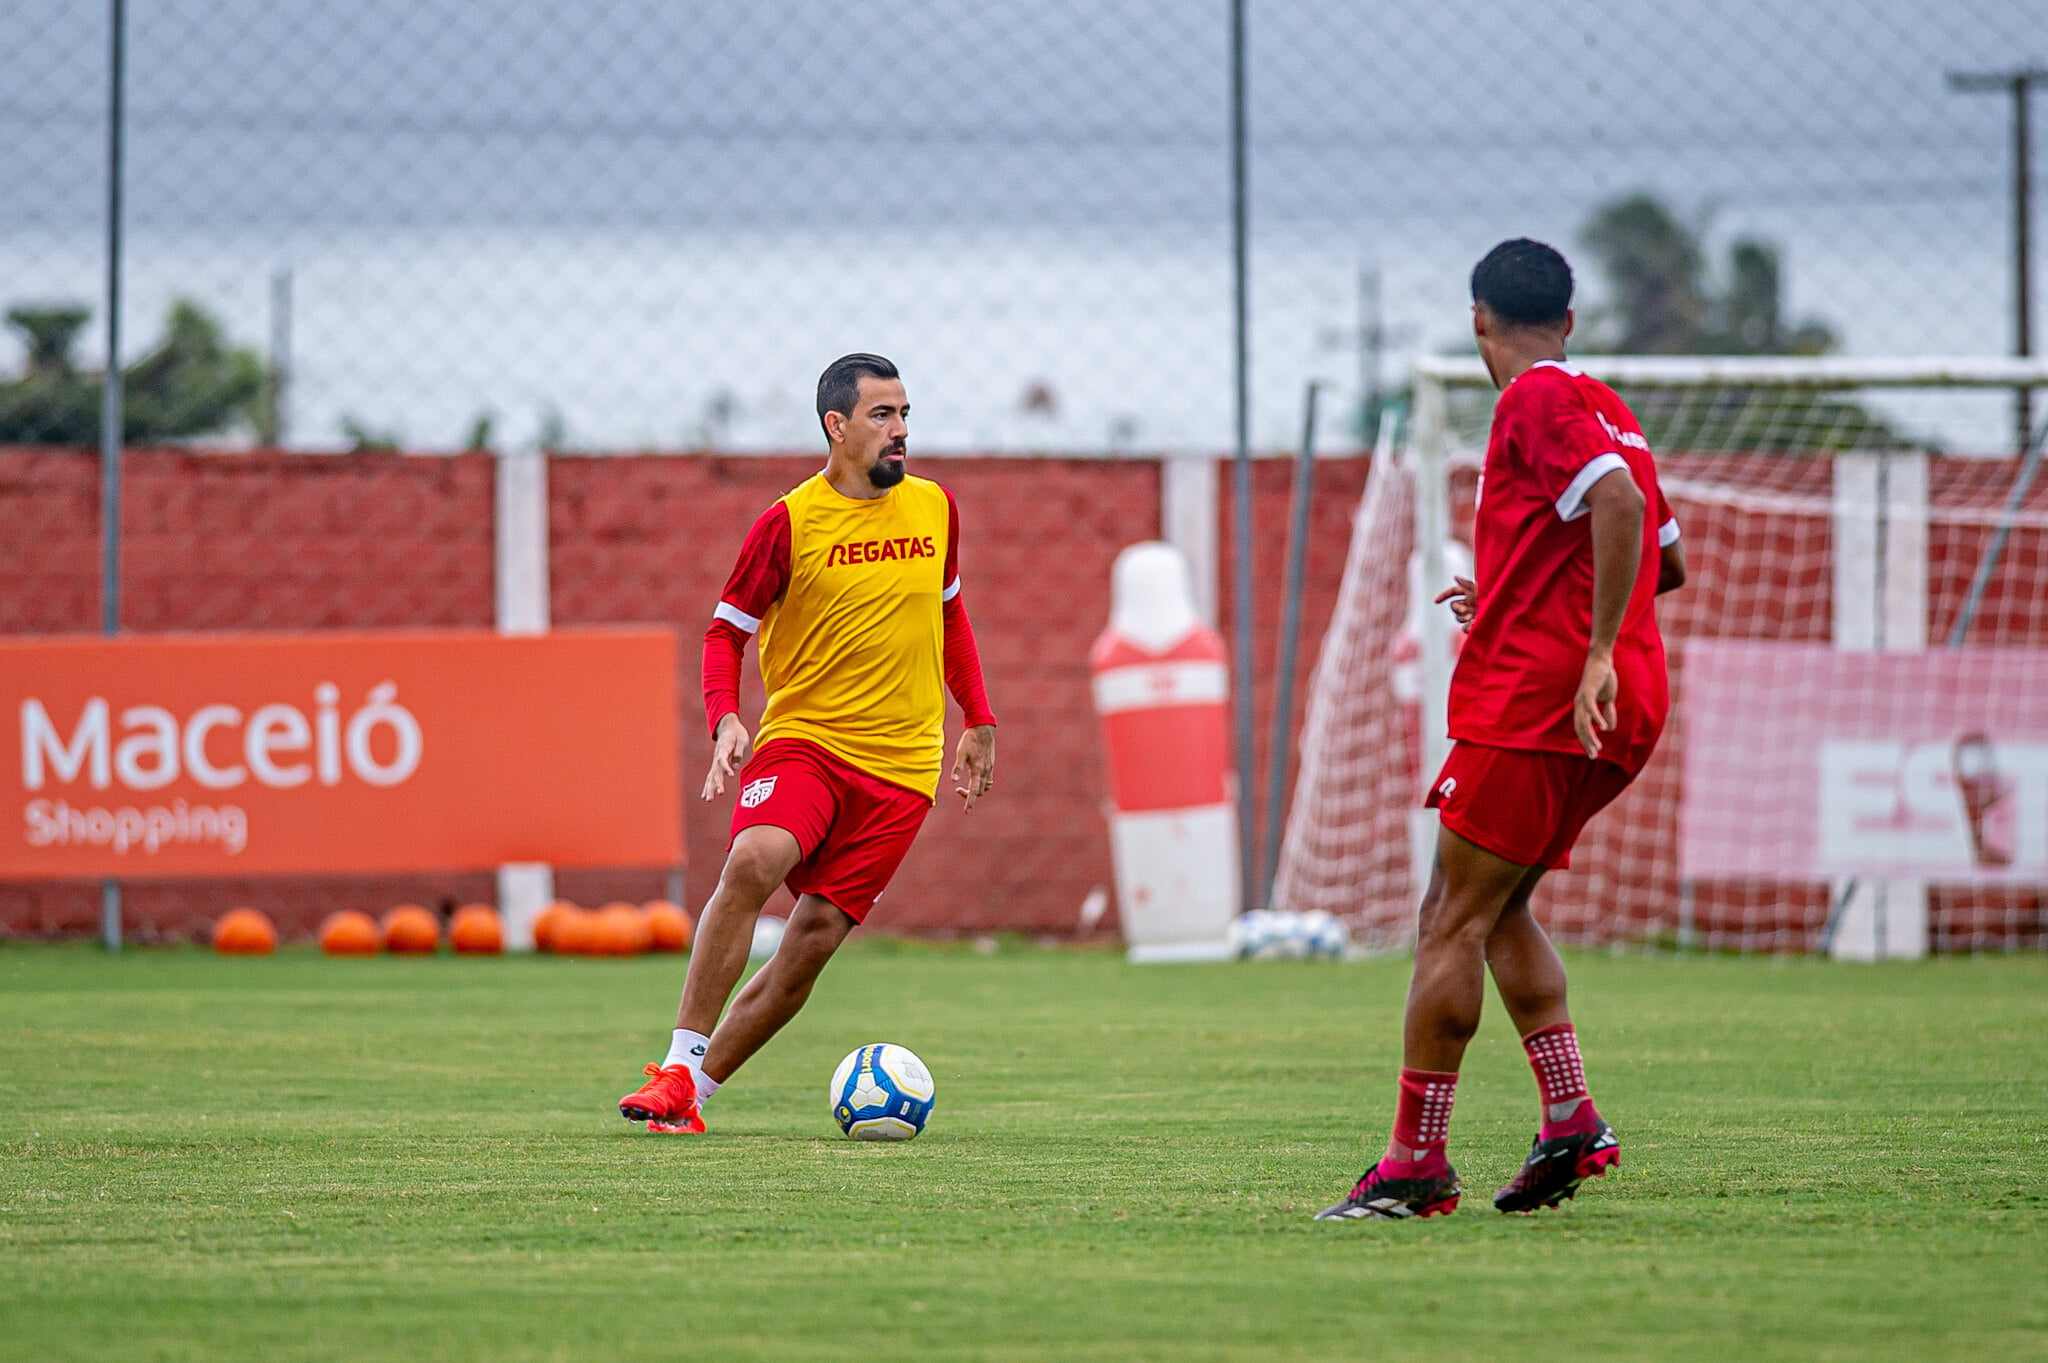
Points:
[440,168]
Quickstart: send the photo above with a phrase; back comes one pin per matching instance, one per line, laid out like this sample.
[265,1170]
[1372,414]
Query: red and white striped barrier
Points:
[1162,688]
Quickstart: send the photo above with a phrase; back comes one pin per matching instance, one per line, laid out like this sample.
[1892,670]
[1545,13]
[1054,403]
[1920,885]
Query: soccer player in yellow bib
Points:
[851,585]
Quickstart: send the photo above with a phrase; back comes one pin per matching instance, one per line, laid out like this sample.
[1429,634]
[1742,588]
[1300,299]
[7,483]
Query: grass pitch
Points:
[297,1157]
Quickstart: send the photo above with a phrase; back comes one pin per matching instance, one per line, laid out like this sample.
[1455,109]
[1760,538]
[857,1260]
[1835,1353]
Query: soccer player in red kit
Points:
[1556,703]
[851,584]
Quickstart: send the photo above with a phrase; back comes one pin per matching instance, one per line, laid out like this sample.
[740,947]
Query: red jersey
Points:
[1555,433]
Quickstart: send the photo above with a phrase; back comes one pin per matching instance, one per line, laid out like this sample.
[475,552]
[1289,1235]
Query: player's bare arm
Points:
[1671,567]
[1616,507]
[733,746]
[1464,599]
[974,764]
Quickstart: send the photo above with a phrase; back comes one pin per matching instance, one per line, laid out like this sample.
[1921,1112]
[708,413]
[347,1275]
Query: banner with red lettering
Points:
[268,753]
[1805,762]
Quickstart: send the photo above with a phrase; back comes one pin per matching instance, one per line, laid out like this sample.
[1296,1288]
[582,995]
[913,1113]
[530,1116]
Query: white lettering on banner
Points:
[56,823]
[158,736]
[155,748]
[87,748]
[1965,807]
[406,729]
[276,729]
[328,724]
[205,719]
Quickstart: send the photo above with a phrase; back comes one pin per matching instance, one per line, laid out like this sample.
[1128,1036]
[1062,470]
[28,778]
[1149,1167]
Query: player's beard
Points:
[888,470]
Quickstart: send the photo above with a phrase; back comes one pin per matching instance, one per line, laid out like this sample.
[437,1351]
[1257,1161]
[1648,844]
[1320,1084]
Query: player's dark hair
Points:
[839,385]
[1524,282]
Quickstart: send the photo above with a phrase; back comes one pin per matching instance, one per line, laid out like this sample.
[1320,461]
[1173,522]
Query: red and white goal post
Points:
[1857,758]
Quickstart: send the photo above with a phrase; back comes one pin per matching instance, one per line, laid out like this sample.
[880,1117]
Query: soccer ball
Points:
[1325,934]
[882,1093]
[768,930]
[1278,935]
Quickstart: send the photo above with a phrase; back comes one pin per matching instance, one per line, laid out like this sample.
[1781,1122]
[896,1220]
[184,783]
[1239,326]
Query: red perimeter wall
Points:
[275,541]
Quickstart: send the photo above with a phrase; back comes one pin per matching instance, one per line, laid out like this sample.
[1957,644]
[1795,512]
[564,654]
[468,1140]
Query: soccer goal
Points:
[1857,758]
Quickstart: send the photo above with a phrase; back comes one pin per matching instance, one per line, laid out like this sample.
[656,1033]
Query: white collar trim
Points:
[1566,365]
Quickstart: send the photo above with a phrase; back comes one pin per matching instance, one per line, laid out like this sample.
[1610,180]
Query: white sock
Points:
[687,1048]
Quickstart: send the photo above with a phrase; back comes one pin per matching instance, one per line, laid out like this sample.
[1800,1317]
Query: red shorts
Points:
[1527,807]
[853,828]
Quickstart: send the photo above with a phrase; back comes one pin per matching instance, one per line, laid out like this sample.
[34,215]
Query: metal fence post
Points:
[112,410]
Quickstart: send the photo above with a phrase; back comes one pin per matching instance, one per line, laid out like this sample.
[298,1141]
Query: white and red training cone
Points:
[1162,689]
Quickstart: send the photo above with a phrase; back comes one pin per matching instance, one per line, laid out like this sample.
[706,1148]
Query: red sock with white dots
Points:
[1561,1078]
[1422,1125]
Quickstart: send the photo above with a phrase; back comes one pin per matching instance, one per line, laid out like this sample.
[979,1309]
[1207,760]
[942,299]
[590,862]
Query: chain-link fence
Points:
[442,224]
[451,225]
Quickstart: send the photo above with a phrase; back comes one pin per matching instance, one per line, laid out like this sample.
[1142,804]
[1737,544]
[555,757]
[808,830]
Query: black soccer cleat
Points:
[1556,1167]
[1396,1199]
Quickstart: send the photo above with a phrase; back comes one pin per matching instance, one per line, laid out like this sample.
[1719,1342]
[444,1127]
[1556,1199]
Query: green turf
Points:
[420,1158]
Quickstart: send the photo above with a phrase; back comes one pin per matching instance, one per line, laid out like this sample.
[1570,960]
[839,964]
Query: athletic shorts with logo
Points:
[1525,806]
[852,828]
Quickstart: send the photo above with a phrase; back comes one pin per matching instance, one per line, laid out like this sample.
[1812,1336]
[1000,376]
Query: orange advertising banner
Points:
[199,755]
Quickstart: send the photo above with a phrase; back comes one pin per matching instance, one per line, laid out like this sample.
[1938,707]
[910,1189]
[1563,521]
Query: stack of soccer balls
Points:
[1275,935]
[882,1093]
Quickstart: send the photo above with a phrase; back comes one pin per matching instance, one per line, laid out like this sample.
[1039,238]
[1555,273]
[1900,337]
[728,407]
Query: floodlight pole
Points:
[1247,786]
[2018,83]
[112,408]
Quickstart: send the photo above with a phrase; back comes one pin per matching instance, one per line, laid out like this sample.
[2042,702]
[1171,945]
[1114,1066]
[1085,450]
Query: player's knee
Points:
[800,958]
[1448,921]
[751,870]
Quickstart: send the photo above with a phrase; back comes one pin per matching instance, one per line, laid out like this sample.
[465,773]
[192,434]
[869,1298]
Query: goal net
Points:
[1857,757]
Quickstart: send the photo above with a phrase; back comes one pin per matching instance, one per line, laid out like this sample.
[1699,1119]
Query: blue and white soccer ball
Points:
[882,1093]
[1278,935]
[1324,934]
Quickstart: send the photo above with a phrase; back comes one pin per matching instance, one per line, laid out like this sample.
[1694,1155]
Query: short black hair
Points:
[839,385]
[1524,282]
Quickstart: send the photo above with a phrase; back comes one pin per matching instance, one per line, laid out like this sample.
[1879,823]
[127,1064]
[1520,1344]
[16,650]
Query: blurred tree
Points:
[1653,266]
[1662,303]
[193,383]
[363,440]
[51,332]
[51,402]
[1750,307]
[554,429]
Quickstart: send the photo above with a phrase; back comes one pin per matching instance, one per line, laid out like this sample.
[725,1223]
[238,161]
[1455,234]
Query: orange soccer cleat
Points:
[667,1102]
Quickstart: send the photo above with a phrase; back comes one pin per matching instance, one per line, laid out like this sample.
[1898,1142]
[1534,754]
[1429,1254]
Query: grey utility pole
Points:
[1241,465]
[2018,83]
[112,411]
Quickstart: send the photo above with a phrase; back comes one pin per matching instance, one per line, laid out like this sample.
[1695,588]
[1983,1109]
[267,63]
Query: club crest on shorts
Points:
[754,792]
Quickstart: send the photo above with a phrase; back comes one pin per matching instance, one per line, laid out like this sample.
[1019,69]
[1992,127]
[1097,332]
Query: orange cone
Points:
[548,927]
[476,931]
[668,927]
[410,930]
[350,933]
[244,932]
[622,930]
[576,933]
